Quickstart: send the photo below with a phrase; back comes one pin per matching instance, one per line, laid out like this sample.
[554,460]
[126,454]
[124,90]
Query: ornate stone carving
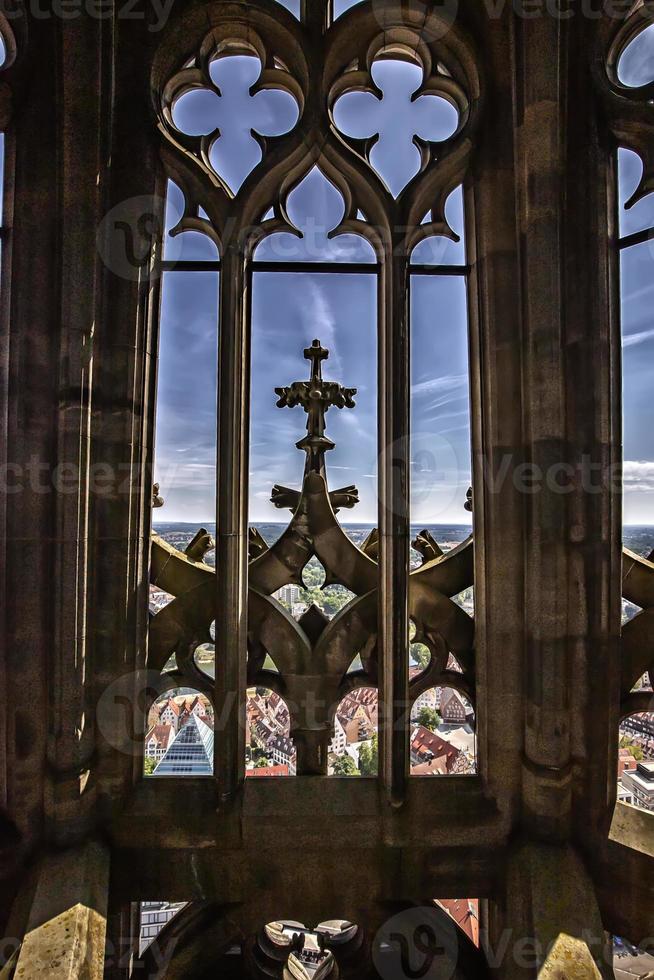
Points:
[314,655]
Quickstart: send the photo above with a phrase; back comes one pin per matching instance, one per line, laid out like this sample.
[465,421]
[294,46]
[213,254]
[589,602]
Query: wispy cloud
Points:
[442,383]
[320,314]
[631,339]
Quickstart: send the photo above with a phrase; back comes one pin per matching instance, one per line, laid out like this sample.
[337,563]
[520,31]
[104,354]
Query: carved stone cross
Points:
[316,397]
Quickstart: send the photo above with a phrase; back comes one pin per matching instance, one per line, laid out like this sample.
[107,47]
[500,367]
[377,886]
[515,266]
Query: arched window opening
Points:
[309,235]
[440,385]
[637,295]
[353,750]
[185,437]
[340,7]
[635,763]
[153,918]
[269,748]
[443,741]
[179,739]
[293,6]
[289,307]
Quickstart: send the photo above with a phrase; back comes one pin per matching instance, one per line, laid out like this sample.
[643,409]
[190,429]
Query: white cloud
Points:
[638,475]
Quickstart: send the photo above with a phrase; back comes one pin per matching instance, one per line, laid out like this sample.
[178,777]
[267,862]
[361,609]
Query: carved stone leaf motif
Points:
[313,656]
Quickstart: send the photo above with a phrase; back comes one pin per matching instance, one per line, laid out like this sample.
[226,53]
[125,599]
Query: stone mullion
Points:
[5,285]
[28,348]
[394,480]
[123,421]
[594,420]
[232,520]
[71,728]
[571,385]
[541,132]
[495,383]
[566,539]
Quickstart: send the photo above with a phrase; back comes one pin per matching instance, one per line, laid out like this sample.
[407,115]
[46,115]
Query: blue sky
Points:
[289,310]
[637,270]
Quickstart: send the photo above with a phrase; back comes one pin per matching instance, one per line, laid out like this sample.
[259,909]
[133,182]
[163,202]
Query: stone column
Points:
[547,543]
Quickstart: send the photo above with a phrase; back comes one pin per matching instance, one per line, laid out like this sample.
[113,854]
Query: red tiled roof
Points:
[465,912]
[161,734]
[426,744]
[268,771]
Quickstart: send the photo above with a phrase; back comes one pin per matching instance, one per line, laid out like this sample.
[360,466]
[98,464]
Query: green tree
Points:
[634,748]
[149,765]
[368,757]
[420,653]
[345,766]
[429,717]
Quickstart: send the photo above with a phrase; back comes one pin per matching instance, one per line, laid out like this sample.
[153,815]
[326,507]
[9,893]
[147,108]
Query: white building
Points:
[154,916]
[338,744]
[158,740]
[624,795]
[282,752]
[428,699]
[288,595]
[640,782]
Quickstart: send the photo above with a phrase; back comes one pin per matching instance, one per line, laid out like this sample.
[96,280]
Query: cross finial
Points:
[316,397]
[316,354]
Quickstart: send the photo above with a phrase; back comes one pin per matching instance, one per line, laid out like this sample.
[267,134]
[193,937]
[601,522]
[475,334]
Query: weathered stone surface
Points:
[66,930]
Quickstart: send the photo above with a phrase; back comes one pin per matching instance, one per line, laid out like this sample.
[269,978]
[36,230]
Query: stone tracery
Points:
[315,654]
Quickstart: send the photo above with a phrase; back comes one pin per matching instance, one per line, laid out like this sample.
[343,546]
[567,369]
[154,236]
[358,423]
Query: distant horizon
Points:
[431,523]
[343,523]
[360,523]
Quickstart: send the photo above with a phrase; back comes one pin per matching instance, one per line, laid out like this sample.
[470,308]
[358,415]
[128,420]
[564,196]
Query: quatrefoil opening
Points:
[231,119]
[401,125]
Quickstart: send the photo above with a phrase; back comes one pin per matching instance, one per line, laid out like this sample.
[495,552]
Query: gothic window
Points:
[631,72]
[442,733]
[337,207]
[269,750]
[179,736]
[354,748]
